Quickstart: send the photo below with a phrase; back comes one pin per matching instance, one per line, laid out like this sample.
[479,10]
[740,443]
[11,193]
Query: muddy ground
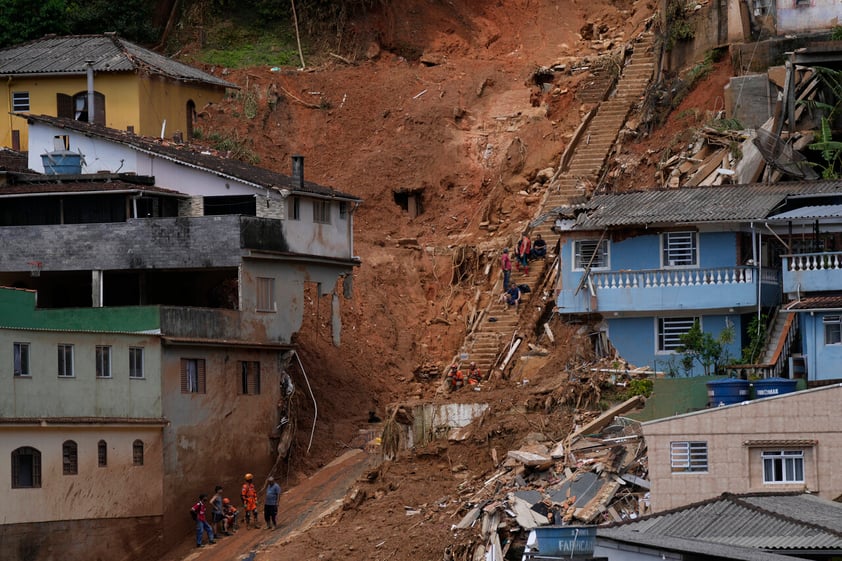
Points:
[437,98]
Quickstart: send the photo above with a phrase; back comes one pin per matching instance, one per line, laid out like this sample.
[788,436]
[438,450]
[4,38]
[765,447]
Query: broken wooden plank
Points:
[605,419]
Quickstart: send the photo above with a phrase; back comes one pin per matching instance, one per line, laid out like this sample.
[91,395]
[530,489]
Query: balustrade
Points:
[658,278]
[814,261]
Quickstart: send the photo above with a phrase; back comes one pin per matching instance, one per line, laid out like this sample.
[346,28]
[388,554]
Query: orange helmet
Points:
[249,477]
[226,501]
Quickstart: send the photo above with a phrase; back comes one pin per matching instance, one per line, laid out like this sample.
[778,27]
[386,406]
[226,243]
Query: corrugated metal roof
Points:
[810,212]
[725,203]
[182,154]
[109,53]
[784,523]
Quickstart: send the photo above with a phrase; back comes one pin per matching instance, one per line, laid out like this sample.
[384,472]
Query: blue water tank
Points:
[769,387]
[728,392]
[62,162]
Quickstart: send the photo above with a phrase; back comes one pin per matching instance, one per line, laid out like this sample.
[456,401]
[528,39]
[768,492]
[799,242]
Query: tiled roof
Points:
[11,160]
[725,203]
[827,302]
[185,155]
[109,53]
[780,522]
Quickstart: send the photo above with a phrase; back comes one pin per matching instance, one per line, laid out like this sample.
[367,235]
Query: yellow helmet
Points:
[249,477]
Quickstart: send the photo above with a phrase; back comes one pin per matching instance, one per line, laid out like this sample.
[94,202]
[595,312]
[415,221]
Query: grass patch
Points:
[262,51]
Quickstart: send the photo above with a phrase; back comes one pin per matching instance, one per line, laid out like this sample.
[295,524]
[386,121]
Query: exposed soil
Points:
[469,129]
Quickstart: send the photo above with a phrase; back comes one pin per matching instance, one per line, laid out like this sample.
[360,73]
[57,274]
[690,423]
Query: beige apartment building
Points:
[790,442]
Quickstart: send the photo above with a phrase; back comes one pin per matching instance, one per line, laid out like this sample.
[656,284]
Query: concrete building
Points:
[103,79]
[790,442]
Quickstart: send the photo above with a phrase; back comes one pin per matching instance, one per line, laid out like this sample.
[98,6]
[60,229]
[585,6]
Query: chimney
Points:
[298,170]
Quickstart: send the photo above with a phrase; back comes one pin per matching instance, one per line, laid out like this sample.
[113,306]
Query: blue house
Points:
[652,264]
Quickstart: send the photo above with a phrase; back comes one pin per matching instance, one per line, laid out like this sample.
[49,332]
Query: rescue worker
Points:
[474,377]
[455,378]
[230,512]
[249,498]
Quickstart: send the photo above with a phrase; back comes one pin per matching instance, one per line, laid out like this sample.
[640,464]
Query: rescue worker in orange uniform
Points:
[249,498]
[455,378]
[474,377]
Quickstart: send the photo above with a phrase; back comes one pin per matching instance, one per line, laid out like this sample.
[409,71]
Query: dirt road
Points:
[300,507]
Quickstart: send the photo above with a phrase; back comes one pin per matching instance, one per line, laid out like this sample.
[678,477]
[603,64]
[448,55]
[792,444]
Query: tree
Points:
[709,351]
[24,20]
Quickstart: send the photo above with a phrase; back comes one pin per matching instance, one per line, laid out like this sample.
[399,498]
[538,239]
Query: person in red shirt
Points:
[198,512]
[506,265]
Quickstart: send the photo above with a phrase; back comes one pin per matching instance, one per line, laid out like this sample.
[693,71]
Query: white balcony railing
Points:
[815,261]
[659,278]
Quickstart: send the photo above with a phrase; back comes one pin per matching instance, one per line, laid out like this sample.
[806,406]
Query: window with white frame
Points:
[135,362]
[20,101]
[265,294]
[103,361]
[680,249]
[590,252]
[670,331]
[832,330]
[65,361]
[20,357]
[321,211]
[783,466]
[688,456]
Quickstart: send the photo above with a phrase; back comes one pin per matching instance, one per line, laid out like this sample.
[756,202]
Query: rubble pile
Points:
[596,475]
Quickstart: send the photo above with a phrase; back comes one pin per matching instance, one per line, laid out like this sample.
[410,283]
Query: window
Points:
[20,101]
[321,211]
[135,362]
[294,208]
[688,456]
[783,466]
[70,459]
[265,294]
[832,330]
[590,252]
[137,452]
[343,210]
[192,375]
[26,468]
[103,361]
[20,354]
[102,454]
[65,361]
[680,249]
[76,107]
[670,331]
[250,378]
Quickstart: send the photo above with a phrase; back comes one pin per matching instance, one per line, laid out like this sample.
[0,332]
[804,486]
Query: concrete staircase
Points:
[499,324]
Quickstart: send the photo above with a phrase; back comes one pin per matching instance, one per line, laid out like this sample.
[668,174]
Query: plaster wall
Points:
[806,17]
[118,490]
[169,110]
[215,437]
[44,394]
[121,93]
[824,361]
[735,467]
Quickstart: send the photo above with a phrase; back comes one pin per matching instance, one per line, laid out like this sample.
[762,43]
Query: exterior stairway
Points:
[498,327]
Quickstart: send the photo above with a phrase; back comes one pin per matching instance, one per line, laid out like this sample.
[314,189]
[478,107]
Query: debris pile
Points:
[597,475]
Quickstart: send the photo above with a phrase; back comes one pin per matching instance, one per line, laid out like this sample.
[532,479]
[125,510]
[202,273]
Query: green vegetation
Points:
[830,149]
[679,25]
[233,146]
[703,348]
[836,34]
[24,20]
[233,50]
[757,331]
[641,386]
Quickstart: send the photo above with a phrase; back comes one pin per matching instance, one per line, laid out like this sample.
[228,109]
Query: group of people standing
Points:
[526,251]
[224,515]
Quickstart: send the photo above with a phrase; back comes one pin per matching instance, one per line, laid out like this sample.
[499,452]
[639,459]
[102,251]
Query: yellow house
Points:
[126,86]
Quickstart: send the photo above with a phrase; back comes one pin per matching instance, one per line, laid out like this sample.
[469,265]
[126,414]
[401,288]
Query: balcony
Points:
[812,272]
[660,290]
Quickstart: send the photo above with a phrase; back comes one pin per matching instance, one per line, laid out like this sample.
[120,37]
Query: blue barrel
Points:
[769,387]
[728,392]
[62,162]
